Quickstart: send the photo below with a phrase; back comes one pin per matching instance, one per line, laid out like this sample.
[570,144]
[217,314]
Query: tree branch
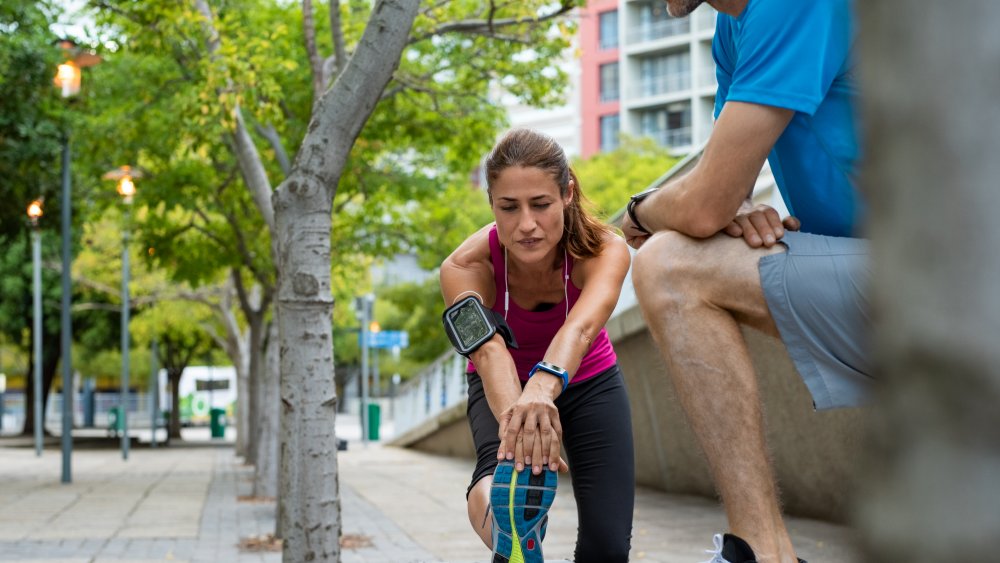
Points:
[489,25]
[346,106]
[241,244]
[337,31]
[315,62]
[271,134]
[247,155]
[253,171]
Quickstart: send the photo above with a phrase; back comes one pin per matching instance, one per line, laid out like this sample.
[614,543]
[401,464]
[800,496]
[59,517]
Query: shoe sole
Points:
[520,501]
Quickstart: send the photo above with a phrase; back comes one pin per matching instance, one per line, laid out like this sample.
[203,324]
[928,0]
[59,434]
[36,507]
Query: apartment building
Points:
[645,73]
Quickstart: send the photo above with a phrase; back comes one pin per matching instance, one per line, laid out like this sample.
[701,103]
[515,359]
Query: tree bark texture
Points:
[174,424]
[236,345]
[265,482]
[309,492]
[930,83]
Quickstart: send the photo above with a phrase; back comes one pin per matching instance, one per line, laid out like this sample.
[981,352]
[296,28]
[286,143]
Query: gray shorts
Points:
[817,293]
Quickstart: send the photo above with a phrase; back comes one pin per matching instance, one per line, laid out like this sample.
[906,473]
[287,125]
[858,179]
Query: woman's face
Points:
[529,212]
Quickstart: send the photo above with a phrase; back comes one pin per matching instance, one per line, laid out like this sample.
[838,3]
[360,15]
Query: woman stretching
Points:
[528,299]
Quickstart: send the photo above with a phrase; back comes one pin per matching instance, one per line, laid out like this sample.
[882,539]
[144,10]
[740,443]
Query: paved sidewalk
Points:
[424,496]
[182,504]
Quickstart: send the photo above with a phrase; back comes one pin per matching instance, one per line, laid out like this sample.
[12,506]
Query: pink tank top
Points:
[534,330]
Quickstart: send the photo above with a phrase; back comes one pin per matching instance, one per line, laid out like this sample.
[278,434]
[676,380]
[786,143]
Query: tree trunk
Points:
[51,351]
[265,483]
[930,80]
[242,400]
[255,355]
[174,427]
[309,491]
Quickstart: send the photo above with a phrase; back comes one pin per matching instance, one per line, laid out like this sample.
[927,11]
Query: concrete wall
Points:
[816,454]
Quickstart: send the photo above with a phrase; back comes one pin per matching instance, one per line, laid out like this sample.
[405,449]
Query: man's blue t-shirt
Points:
[796,54]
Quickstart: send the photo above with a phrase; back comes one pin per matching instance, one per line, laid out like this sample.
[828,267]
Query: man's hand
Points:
[633,236]
[760,225]
[530,432]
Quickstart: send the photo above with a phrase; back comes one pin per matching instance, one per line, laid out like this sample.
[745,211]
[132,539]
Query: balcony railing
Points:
[666,84]
[659,30]
[671,137]
[707,77]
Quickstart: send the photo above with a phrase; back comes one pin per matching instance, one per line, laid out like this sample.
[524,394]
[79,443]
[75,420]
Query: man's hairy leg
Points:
[694,294]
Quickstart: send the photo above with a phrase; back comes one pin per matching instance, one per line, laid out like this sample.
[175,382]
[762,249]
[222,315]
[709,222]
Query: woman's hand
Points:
[530,431]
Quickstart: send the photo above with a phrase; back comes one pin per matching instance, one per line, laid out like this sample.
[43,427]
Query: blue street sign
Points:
[387,339]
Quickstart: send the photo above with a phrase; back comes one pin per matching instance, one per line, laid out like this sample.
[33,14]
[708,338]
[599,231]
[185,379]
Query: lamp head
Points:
[35,211]
[68,75]
[126,187]
[126,184]
[68,79]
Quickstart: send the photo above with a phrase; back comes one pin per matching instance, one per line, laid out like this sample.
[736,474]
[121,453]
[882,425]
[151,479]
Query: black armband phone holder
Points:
[469,325]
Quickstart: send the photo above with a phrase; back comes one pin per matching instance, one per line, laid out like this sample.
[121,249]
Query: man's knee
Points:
[672,269]
[667,266]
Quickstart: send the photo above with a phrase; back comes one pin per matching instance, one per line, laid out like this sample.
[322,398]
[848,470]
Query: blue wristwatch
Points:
[553,369]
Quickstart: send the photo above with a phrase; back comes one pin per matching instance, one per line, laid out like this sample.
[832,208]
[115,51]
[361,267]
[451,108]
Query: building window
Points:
[609,132]
[665,74]
[609,82]
[656,23]
[670,126]
[608,31]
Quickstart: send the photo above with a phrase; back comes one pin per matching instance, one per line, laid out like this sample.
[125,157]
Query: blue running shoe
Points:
[520,503]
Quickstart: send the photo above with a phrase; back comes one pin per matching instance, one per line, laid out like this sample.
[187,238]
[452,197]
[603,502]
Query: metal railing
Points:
[671,137]
[665,84]
[439,386]
[659,30]
[138,406]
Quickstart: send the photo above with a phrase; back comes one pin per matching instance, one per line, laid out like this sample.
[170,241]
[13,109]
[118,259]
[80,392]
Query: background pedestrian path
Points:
[183,503]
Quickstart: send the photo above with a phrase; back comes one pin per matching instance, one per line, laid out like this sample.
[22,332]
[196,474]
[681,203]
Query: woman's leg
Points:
[479,513]
[485,430]
[597,433]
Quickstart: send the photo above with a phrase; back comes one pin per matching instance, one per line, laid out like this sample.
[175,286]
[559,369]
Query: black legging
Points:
[597,434]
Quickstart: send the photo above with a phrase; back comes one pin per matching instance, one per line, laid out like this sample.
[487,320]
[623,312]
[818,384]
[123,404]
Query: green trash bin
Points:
[217,421]
[115,426]
[374,418]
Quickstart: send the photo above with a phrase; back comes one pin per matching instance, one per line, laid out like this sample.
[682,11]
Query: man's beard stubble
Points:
[681,8]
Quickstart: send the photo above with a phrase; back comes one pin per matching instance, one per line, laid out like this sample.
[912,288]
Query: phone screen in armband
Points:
[470,324]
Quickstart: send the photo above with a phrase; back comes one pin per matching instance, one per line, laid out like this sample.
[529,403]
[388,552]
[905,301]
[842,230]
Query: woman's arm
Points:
[468,271]
[601,284]
[601,280]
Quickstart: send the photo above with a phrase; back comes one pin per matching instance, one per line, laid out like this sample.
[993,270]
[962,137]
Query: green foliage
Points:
[30,112]
[161,101]
[609,178]
[416,308]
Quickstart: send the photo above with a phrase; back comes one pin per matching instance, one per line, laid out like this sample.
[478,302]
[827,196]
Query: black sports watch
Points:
[469,325]
[630,208]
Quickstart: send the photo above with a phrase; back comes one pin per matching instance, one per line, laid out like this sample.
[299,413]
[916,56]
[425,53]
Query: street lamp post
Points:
[34,212]
[364,309]
[376,385]
[68,79]
[126,188]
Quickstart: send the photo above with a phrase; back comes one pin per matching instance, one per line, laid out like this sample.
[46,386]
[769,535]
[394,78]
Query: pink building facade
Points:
[599,82]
